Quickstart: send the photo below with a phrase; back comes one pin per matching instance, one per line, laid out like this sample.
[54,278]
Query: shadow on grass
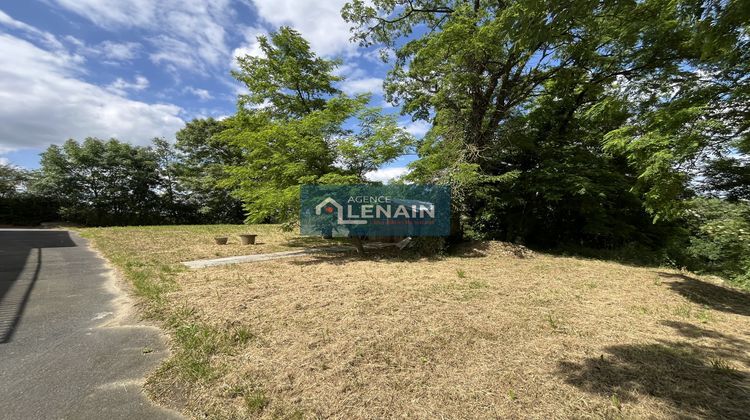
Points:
[473,249]
[720,298]
[384,251]
[345,253]
[693,381]
[640,257]
[328,258]
[311,242]
[725,346]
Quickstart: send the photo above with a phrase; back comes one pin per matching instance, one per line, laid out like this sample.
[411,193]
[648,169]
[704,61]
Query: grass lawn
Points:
[492,331]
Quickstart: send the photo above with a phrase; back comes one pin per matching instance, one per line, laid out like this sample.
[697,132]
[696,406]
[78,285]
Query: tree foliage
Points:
[562,121]
[12,180]
[719,239]
[295,127]
[20,204]
[102,182]
[202,157]
[287,76]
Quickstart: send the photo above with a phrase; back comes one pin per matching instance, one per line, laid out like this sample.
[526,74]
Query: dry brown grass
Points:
[172,244]
[494,332]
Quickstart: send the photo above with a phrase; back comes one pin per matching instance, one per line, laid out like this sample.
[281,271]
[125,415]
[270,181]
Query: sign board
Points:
[375,210]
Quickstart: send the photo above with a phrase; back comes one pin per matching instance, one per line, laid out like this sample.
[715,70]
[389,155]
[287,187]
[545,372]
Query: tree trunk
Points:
[357,241]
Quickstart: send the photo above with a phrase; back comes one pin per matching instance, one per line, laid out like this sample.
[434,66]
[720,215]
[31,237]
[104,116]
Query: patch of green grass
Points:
[616,403]
[235,391]
[723,367]
[687,310]
[684,310]
[242,335]
[512,395]
[552,322]
[297,414]
[704,315]
[197,344]
[254,398]
[477,284]
[179,315]
[150,280]
[461,273]
[643,310]
[256,401]
[463,291]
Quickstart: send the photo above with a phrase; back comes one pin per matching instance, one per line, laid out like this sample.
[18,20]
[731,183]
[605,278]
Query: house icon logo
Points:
[375,210]
[329,205]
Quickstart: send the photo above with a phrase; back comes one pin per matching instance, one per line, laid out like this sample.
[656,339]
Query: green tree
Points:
[377,141]
[728,177]
[200,170]
[719,241]
[299,135]
[523,96]
[102,182]
[695,117]
[166,161]
[483,62]
[12,180]
[288,76]
[20,203]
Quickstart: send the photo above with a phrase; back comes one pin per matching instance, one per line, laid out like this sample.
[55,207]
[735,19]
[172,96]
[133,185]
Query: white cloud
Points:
[187,34]
[4,161]
[319,22]
[42,102]
[350,71]
[111,13]
[386,174]
[251,46]
[366,85]
[45,37]
[418,128]
[200,93]
[194,35]
[175,53]
[109,51]
[120,85]
[118,51]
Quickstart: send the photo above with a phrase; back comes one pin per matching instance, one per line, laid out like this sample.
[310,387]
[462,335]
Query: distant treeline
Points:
[109,183]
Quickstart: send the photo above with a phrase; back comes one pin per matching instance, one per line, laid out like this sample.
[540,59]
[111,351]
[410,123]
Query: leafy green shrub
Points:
[24,209]
[719,239]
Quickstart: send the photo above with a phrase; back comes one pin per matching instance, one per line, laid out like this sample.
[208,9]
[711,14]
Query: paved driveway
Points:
[69,346]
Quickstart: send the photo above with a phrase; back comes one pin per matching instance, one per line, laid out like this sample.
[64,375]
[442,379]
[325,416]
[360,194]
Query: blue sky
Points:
[138,69]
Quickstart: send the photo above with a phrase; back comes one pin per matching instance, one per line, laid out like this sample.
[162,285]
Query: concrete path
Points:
[70,345]
[263,257]
[288,254]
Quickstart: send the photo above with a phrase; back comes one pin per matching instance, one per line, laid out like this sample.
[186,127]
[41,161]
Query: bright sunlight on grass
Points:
[491,330]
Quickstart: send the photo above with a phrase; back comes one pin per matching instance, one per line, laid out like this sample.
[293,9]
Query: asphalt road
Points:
[70,346]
